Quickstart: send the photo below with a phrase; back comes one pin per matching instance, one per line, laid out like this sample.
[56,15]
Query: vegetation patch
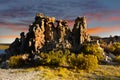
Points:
[114,48]
[17,61]
[93,49]
[117,58]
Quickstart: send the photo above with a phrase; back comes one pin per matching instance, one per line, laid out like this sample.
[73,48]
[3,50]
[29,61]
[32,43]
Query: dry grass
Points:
[107,72]
[104,72]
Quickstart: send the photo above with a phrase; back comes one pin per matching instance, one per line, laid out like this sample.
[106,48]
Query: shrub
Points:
[60,58]
[72,59]
[115,48]
[67,52]
[80,59]
[117,58]
[57,58]
[87,62]
[75,60]
[90,62]
[45,58]
[93,49]
[16,61]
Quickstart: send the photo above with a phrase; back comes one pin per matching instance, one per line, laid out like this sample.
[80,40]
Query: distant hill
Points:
[106,39]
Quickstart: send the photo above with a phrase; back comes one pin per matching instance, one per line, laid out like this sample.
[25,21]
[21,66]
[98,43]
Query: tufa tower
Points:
[47,33]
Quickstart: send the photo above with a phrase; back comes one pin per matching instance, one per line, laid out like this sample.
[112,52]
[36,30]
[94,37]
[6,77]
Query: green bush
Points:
[75,60]
[60,58]
[113,48]
[16,61]
[116,47]
[93,49]
[72,60]
[45,58]
[117,58]
[57,58]
[90,62]
[87,62]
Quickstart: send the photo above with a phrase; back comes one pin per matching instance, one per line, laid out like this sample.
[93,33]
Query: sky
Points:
[103,16]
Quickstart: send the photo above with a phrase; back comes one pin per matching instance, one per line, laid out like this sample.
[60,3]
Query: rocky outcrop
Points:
[80,34]
[47,33]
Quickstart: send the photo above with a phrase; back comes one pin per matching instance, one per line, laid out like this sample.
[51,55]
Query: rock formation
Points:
[79,31]
[44,35]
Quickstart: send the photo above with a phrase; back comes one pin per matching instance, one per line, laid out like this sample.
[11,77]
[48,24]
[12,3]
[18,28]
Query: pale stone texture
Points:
[47,33]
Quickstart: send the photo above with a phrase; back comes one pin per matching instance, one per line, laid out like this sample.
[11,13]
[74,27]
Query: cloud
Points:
[8,36]
[14,27]
[99,30]
[115,18]
[71,23]
[104,15]
[58,8]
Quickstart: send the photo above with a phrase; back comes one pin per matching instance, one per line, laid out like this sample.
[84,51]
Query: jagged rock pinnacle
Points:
[44,35]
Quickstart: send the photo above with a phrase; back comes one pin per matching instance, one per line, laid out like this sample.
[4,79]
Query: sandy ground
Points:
[18,74]
[104,72]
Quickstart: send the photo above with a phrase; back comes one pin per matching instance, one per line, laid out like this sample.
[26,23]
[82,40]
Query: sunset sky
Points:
[103,16]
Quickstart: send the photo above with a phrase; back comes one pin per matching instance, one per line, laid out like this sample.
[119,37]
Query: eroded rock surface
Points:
[47,33]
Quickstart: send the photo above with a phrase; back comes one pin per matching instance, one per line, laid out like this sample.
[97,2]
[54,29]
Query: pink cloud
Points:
[6,36]
[97,30]
[71,23]
[115,18]
[14,27]
[105,15]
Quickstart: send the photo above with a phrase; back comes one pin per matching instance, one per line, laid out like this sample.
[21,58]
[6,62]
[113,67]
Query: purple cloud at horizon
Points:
[17,15]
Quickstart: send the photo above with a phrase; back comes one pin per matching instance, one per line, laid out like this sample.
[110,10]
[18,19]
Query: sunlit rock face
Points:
[47,33]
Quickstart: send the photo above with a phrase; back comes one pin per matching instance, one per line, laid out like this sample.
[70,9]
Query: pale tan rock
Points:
[44,35]
[39,37]
[60,30]
[49,29]
[39,15]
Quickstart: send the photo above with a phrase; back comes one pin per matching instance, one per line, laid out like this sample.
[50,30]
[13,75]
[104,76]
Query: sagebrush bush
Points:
[16,61]
[72,59]
[87,62]
[60,58]
[90,62]
[117,58]
[115,48]
[93,49]
[75,60]
[57,58]
[81,61]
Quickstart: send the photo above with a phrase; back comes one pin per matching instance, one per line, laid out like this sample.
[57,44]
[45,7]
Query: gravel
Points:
[18,74]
